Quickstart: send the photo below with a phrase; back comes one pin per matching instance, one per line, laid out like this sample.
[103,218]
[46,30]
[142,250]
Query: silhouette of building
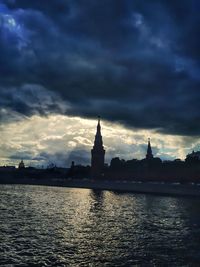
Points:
[97,153]
[149,154]
[21,165]
[193,156]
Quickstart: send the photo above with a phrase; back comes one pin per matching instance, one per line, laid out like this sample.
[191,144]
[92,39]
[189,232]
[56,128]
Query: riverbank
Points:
[174,189]
[141,187]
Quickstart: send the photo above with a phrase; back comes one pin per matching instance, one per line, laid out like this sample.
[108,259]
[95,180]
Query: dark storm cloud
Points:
[29,100]
[131,61]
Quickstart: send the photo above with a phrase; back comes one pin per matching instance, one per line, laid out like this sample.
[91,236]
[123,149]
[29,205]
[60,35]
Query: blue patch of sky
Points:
[3,8]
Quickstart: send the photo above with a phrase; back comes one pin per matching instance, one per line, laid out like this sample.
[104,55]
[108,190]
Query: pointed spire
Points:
[149,144]
[98,143]
[99,119]
[149,154]
[99,126]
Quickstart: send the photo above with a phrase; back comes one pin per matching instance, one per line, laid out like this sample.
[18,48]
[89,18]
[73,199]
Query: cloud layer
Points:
[136,62]
[60,139]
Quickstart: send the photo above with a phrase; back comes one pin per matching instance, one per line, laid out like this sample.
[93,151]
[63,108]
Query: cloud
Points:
[120,59]
[60,139]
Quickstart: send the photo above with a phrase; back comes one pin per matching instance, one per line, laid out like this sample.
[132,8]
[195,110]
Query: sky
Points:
[136,63]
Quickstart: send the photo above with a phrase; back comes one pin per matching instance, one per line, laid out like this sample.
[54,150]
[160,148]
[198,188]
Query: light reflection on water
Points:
[49,226]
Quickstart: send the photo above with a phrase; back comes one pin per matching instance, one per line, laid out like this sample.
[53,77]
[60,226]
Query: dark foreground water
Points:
[46,226]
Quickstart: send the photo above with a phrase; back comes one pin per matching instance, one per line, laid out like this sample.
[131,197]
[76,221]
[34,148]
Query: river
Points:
[52,226]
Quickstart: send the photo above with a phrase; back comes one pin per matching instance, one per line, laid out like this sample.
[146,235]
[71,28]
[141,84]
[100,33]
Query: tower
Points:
[21,165]
[149,154]
[97,153]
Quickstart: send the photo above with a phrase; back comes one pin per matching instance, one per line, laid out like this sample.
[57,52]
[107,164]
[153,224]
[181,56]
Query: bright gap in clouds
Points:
[60,139]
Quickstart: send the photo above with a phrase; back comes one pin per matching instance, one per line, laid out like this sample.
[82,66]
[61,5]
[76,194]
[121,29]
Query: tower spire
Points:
[99,126]
[98,142]
[149,154]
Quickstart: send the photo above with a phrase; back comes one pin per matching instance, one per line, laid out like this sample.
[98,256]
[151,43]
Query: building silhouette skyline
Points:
[98,153]
[150,168]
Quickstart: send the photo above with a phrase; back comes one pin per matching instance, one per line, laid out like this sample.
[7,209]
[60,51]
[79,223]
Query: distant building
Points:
[21,165]
[97,154]
[149,154]
[193,156]
[7,167]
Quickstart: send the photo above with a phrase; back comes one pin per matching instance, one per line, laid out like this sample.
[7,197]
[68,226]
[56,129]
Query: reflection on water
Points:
[46,226]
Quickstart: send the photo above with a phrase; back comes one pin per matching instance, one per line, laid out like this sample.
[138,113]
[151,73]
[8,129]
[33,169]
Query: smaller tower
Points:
[21,165]
[149,154]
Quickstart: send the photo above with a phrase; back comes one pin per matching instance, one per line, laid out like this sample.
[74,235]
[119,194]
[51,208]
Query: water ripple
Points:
[46,226]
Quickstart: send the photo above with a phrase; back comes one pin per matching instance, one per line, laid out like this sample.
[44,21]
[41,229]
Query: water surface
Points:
[51,226]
